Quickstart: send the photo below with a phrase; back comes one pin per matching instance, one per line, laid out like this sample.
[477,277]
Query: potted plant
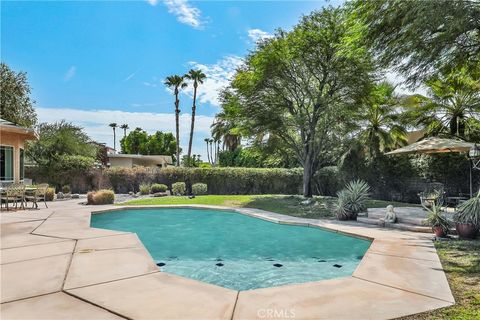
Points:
[467,218]
[351,200]
[430,196]
[439,223]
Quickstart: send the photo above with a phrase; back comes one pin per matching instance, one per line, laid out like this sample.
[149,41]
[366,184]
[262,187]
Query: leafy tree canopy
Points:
[452,105]
[379,120]
[420,38]
[300,85]
[61,151]
[15,103]
[59,139]
[139,142]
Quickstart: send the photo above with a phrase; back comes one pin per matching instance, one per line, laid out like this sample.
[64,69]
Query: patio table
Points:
[456,200]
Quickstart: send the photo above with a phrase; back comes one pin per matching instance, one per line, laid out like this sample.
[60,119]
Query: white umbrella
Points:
[437,145]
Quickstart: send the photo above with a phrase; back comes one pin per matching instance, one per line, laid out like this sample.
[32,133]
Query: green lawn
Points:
[284,204]
[461,262]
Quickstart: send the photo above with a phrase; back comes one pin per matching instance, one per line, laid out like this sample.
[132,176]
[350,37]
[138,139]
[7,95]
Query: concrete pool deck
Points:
[54,266]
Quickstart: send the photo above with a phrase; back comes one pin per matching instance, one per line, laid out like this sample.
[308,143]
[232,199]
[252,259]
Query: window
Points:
[6,163]
[22,162]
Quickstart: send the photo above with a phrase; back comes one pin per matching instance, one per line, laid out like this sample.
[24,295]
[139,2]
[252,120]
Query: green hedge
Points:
[219,180]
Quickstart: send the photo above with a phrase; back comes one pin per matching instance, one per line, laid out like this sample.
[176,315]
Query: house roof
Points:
[7,126]
[158,158]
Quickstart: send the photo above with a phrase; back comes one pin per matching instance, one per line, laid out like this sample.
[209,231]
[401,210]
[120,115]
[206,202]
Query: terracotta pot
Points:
[439,232]
[466,230]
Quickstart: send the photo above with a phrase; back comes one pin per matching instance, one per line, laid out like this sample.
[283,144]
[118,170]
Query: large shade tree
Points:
[300,85]
[139,141]
[419,38]
[62,151]
[15,103]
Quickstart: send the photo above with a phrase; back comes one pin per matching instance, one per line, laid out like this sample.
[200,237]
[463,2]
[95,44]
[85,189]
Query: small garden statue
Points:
[390,216]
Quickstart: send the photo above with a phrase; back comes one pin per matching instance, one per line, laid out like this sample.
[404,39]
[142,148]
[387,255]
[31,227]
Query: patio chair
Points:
[15,192]
[38,195]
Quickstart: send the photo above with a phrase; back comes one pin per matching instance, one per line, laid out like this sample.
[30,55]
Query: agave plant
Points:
[341,209]
[352,200]
[437,220]
[469,211]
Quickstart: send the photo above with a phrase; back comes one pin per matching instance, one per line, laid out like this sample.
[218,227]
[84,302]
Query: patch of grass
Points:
[323,207]
[461,262]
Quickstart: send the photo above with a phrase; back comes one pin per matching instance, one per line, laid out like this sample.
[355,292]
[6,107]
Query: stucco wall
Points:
[17,142]
[120,162]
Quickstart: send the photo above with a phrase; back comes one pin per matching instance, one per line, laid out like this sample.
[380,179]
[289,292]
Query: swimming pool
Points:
[236,251]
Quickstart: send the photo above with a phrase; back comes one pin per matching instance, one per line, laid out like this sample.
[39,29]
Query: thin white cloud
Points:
[152,2]
[185,12]
[70,73]
[218,77]
[131,75]
[149,84]
[256,35]
[95,123]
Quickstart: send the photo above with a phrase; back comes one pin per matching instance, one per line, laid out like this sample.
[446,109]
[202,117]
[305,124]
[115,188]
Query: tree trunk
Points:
[208,155]
[211,149]
[177,115]
[307,175]
[114,141]
[194,107]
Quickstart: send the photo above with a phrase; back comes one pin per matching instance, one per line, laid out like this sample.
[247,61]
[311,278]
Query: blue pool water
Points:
[236,251]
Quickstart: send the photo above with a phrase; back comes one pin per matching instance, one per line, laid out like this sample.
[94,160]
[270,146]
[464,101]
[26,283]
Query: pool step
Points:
[399,226]
[417,218]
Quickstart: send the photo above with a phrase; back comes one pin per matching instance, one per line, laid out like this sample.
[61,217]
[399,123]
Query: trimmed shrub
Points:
[179,188]
[90,197]
[66,189]
[158,187]
[100,197]
[50,194]
[199,188]
[144,188]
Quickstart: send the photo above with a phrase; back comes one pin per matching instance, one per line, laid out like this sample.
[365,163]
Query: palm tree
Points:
[454,99]
[197,76]
[125,127]
[114,126]
[208,154]
[227,131]
[176,83]
[210,141]
[380,121]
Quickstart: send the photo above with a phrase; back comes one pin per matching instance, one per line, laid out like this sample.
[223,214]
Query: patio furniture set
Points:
[19,194]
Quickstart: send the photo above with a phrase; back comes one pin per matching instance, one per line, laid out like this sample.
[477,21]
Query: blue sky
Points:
[96,62]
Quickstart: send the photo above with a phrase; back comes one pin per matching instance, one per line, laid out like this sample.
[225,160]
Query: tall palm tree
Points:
[197,76]
[114,126]
[453,100]
[380,127]
[176,83]
[208,153]
[210,141]
[125,127]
